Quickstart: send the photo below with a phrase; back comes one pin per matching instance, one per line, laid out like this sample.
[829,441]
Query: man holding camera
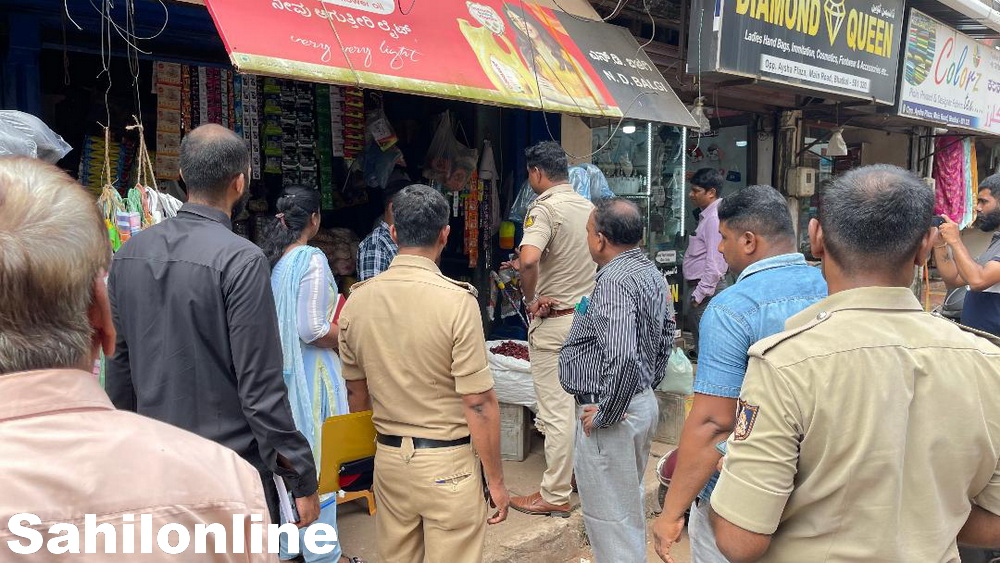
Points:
[981,309]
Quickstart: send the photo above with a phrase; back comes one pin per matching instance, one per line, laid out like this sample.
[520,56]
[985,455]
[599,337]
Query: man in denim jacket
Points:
[774,283]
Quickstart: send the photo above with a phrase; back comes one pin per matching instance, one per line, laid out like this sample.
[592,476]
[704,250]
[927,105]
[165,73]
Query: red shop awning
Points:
[505,52]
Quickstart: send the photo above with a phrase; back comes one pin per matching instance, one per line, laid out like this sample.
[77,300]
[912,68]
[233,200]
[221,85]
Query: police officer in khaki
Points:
[556,272]
[412,346]
[869,430]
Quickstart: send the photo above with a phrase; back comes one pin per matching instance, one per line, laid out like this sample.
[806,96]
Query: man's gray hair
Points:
[419,214]
[619,220]
[53,246]
[875,217]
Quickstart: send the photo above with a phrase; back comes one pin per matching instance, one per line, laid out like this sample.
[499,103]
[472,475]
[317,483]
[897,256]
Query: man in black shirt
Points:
[198,343]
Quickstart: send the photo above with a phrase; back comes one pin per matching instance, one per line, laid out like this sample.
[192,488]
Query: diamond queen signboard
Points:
[846,47]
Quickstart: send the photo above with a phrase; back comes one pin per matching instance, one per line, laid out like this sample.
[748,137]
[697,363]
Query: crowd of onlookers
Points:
[833,418]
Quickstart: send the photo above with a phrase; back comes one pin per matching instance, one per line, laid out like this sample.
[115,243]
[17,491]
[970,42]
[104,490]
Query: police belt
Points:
[421,443]
[559,313]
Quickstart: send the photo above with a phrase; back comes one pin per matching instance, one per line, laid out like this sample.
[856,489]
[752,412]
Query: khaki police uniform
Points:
[417,338]
[556,223]
[864,433]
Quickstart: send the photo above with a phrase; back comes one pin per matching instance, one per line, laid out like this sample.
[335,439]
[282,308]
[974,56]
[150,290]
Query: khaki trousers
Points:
[556,417]
[431,507]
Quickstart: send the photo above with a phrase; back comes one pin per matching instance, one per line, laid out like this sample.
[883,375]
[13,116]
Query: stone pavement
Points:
[522,538]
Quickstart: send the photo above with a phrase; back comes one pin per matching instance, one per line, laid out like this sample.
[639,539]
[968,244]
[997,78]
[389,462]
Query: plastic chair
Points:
[346,438]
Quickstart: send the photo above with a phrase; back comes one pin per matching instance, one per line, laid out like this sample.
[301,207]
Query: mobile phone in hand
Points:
[937,221]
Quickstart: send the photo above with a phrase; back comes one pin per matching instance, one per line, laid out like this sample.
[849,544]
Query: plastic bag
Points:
[587,180]
[524,199]
[590,182]
[463,164]
[437,167]
[679,377]
[379,164]
[449,162]
[22,134]
[512,379]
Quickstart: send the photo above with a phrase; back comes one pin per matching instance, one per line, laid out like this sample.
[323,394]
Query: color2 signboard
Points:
[949,78]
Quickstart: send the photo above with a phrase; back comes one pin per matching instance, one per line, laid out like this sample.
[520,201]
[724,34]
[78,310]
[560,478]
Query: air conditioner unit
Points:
[802,181]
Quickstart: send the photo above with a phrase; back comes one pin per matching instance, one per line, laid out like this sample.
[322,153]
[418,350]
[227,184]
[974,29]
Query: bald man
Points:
[616,353]
[198,343]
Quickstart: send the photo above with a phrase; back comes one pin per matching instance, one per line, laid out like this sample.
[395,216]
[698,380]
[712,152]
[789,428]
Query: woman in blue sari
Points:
[306,297]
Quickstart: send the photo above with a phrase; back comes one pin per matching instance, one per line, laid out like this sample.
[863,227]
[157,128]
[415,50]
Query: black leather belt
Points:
[422,443]
[593,399]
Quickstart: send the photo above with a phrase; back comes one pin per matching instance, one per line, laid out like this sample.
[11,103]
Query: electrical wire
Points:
[534,66]
[614,13]
[106,61]
[66,9]
[130,38]
[541,103]
[343,51]
[652,21]
[399,6]
[701,26]
[128,31]
[133,60]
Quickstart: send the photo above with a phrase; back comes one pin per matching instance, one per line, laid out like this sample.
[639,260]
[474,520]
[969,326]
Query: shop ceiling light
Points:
[837,146]
[628,128]
[741,144]
[698,113]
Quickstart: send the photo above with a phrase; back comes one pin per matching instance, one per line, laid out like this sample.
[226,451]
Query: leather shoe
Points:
[535,505]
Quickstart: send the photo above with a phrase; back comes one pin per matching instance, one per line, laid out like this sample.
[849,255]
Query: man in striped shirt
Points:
[616,352]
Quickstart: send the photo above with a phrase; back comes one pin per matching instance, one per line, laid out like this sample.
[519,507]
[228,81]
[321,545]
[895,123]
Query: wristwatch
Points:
[530,303]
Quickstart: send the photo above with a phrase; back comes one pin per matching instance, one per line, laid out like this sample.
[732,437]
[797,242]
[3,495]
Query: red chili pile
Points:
[512,349]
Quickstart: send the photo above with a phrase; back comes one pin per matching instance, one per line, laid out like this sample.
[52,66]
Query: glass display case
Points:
[645,162]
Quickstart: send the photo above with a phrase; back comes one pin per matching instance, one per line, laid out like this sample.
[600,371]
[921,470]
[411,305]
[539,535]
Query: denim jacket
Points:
[765,295]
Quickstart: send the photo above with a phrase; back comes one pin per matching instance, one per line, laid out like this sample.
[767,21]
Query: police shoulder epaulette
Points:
[767,344]
[464,285]
[543,197]
[356,285]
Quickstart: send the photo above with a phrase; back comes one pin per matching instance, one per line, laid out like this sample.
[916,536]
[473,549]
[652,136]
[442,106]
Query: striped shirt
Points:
[621,340]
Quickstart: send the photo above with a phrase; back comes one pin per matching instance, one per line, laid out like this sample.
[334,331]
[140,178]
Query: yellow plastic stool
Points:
[346,438]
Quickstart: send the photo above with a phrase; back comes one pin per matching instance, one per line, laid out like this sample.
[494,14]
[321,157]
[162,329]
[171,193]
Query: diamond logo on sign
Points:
[834,12]
[486,16]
